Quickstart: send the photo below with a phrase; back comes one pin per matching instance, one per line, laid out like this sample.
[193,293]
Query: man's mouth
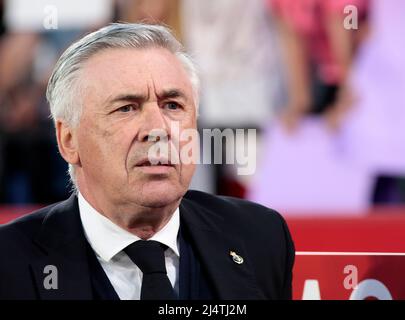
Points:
[154,162]
[160,167]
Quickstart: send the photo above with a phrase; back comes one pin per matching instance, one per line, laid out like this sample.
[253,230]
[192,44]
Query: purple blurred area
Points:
[322,82]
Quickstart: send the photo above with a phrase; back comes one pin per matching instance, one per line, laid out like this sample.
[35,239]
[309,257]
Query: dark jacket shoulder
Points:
[25,226]
[238,212]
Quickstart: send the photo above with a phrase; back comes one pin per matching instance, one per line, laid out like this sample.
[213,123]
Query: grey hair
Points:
[64,84]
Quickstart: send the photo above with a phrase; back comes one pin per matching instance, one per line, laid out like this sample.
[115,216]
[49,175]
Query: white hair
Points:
[64,84]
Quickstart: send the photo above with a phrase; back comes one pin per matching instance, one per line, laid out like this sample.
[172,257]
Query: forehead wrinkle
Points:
[151,86]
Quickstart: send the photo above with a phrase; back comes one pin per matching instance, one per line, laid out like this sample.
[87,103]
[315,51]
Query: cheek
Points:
[101,147]
[187,172]
[90,152]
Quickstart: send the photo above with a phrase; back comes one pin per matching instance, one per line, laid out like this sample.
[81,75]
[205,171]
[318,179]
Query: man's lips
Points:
[155,167]
[154,163]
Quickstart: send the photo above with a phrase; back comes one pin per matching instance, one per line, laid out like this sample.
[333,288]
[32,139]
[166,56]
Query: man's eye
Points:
[127,108]
[172,106]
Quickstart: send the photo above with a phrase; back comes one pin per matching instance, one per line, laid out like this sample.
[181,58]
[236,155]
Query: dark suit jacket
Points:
[218,225]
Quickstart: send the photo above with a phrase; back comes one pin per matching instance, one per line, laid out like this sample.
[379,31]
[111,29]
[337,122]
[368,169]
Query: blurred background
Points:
[322,82]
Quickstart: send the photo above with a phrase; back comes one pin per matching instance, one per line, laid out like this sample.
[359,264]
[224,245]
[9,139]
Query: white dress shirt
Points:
[108,241]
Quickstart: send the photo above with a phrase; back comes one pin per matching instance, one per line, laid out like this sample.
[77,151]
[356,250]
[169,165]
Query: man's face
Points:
[127,95]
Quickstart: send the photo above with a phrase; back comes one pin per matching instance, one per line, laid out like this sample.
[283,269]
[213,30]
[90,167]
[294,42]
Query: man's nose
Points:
[153,123]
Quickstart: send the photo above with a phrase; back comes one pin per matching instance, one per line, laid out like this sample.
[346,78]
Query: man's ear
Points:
[67,142]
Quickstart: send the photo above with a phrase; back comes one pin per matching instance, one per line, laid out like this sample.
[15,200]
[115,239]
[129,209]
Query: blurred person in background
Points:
[234,46]
[373,130]
[26,149]
[166,12]
[36,31]
[318,51]
[302,166]
[19,121]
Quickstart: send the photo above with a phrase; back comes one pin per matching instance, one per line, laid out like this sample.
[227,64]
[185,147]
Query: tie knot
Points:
[149,256]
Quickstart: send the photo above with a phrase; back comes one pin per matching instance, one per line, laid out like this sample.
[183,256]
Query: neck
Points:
[139,220]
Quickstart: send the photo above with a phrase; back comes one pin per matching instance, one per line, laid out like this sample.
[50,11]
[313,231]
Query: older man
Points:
[131,230]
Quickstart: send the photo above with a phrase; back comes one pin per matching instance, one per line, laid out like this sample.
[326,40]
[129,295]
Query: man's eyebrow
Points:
[127,97]
[172,93]
[165,94]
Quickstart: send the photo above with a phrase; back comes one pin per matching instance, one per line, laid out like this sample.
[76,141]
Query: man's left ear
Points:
[67,142]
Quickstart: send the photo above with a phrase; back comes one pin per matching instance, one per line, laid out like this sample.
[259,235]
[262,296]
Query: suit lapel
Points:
[62,241]
[213,246]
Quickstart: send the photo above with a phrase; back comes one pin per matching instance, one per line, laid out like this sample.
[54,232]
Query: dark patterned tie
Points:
[150,258]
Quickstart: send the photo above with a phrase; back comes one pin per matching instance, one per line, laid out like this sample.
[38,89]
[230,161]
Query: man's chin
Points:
[157,202]
[160,195]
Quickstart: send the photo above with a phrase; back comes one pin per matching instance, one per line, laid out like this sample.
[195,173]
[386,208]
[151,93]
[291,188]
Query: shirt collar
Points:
[107,239]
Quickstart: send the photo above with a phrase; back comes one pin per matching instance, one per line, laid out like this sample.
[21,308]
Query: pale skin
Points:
[126,94]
